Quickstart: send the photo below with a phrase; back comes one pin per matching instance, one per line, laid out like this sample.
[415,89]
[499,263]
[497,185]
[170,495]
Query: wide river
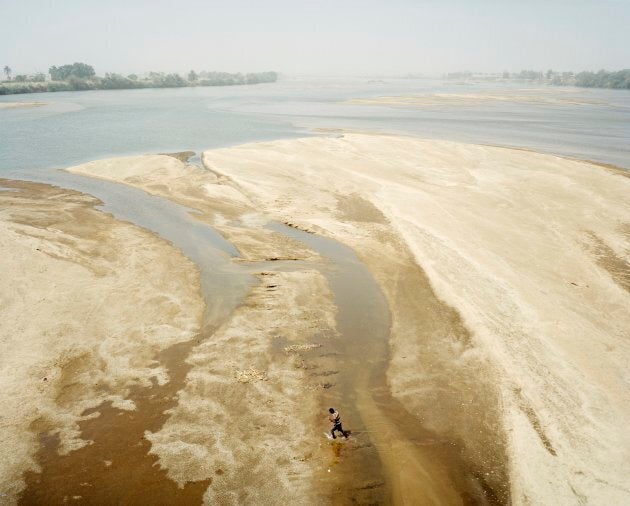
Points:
[79,126]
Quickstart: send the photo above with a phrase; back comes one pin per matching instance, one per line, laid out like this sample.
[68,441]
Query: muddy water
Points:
[390,457]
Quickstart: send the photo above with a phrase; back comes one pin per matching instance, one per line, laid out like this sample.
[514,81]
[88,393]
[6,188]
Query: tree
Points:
[192,76]
[7,72]
[133,77]
[63,73]
[82,70]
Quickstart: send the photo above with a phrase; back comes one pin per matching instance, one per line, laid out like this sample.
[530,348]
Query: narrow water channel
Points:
[210,252]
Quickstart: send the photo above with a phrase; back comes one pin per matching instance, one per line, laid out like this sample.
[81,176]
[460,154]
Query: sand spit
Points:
[529,250]
[17,105]
[533,97]
[88,302]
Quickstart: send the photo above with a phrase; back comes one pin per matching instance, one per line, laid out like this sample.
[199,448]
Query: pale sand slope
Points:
[86,302]
[213,202]
[530,249]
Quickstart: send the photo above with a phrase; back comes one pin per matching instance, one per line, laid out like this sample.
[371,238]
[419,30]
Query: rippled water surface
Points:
[79,126]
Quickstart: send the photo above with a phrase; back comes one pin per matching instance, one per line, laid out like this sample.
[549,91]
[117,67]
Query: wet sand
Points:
[88,303]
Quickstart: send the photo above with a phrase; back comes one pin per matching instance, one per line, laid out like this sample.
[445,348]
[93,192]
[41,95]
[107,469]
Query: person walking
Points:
[335,420]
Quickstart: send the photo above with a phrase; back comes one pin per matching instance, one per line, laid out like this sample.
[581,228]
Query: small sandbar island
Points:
[555,97]
[19,105]
[490,368]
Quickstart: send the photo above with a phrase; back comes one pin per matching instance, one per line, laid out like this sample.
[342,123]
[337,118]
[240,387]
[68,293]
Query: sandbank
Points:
[533,97]
[16,105]
[517,344]
[506,274]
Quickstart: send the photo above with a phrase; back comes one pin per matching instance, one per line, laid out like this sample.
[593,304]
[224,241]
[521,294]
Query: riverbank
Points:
[132,82]
[505,273]
[547,97]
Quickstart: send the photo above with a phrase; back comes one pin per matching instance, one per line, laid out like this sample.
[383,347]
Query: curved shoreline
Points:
[478,398]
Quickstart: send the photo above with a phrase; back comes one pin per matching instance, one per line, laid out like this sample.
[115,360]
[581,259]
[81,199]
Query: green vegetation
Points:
[80,76]
[603,79]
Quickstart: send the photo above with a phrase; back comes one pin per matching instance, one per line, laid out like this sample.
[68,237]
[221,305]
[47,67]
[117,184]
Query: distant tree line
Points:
[619,79]
[80,76]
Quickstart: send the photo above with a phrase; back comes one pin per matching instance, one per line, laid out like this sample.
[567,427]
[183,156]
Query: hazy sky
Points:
[316,37]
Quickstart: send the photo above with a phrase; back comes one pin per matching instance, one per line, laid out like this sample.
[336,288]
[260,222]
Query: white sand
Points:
[86,302]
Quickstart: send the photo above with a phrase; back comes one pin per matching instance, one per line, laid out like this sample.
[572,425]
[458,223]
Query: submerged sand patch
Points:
[18,105]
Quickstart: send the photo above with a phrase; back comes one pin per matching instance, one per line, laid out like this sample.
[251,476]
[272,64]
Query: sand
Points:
[506,274]
[246,418]
[531,251]
[16,105]
[532,97]
[86,303]
[249,418]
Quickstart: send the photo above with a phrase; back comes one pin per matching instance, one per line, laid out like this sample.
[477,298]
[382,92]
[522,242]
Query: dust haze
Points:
[317,38]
